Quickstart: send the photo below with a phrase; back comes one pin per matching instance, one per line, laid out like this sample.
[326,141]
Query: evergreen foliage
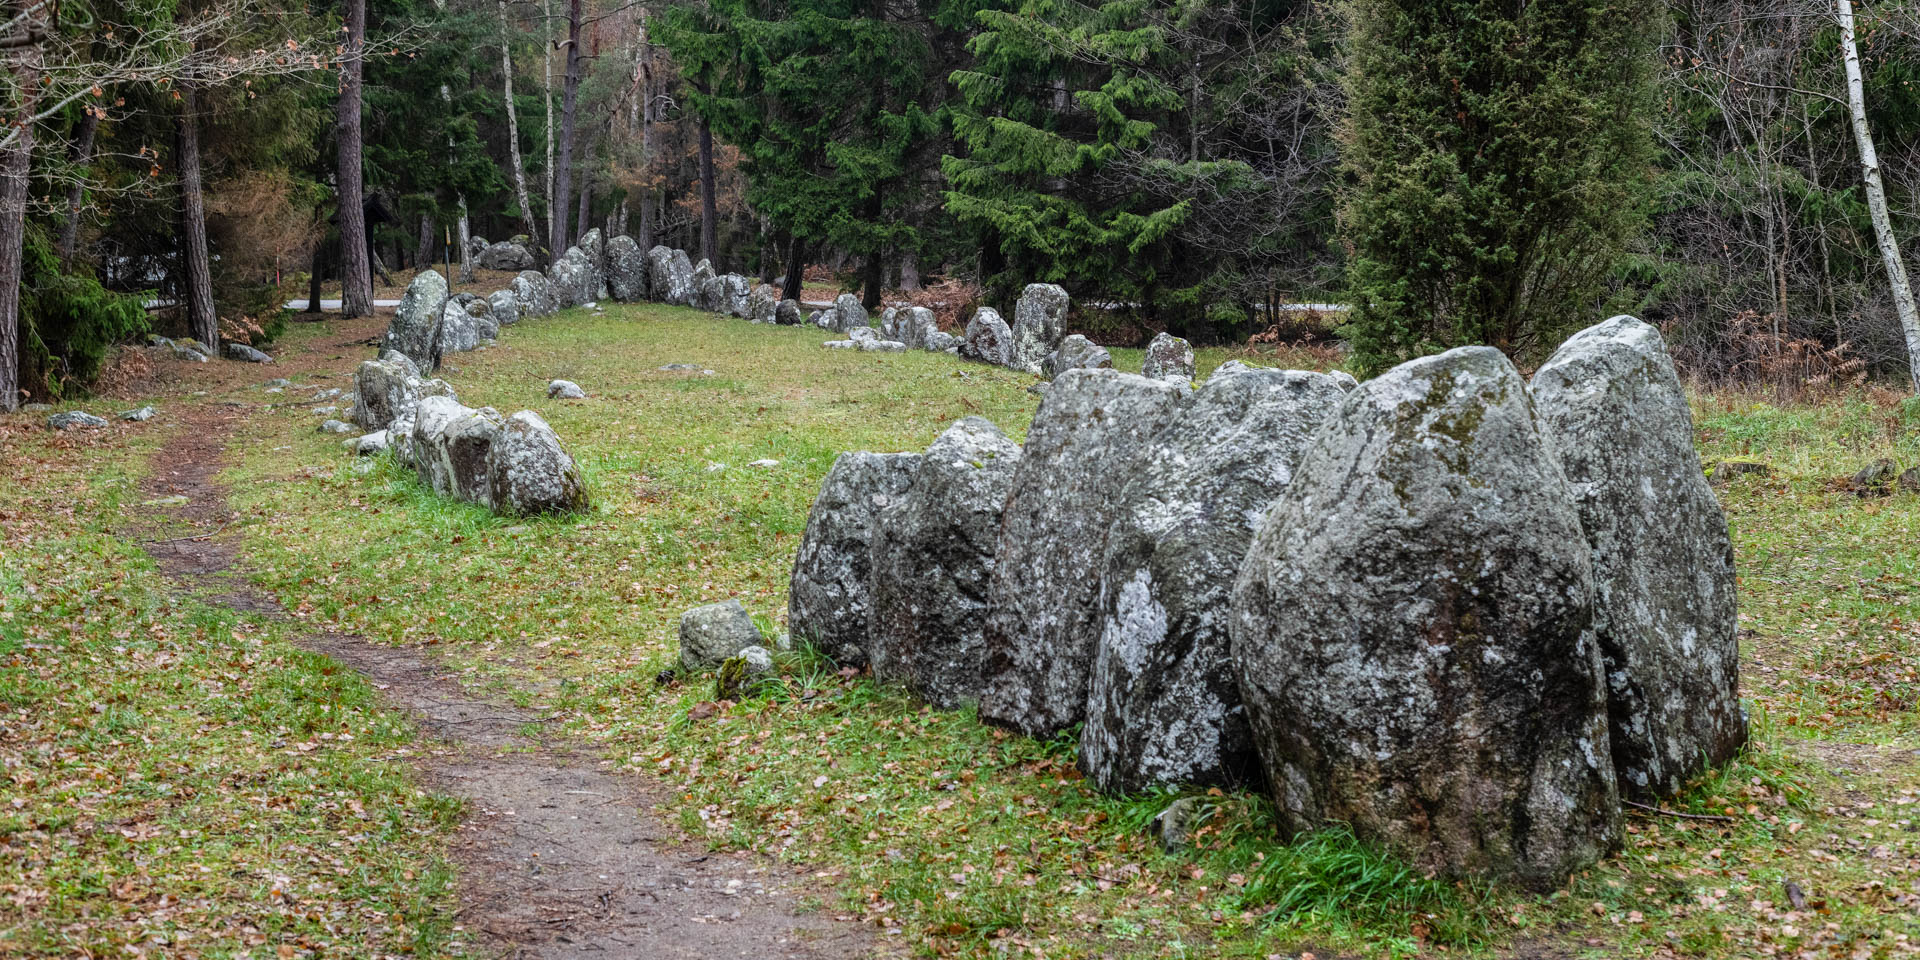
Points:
[1500,161]
[69,321]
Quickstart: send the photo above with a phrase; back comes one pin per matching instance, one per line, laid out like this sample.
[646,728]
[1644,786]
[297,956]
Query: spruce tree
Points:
[1499,161]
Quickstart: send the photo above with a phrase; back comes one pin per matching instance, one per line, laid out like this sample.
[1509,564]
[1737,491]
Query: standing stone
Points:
[1077,353]
[529,473]
[848,314]
[574,278]
[683,273]
[989,339]
[738,291]
[914,326]
[1168,358]
[411,332]
[830,595]
[707,292]
[1165,702]
[505,255]
[763,304]
[1039,324]
[480,314]
[1411,626]
[451,446]
[504,306]
[593,244]
[890,323]
[933,556]
[535,294]
[1664,607]
[787,313]
[1042,622]
[458,331]
[669,276]
[626,270]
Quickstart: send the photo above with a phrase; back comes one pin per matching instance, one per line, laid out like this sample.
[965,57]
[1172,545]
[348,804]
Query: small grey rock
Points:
[143,413]
[336,426]
[246,354]
[711,634]
[565,390]
[73,419]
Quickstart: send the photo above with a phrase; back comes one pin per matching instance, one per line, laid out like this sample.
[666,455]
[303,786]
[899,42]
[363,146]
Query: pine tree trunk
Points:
[874,266]
[423,254]
[709,208]
[644,103]
[582,220]
[910,271]
[1896,267]
[202,324]
[16,168]
[513,130]
[313,278]
[546,89]
[569,104]
[356,276]
[80,157]
[796,266]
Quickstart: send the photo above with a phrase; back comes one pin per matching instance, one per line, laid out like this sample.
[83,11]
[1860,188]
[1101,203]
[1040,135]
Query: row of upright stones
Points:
[1462,613]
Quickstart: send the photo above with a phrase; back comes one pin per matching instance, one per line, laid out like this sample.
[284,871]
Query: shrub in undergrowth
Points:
[68,322]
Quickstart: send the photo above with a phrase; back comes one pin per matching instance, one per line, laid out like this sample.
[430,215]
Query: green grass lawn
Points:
[957,839]
[177,780]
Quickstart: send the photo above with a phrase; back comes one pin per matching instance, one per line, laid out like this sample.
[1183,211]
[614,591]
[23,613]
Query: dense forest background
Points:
[1175,164]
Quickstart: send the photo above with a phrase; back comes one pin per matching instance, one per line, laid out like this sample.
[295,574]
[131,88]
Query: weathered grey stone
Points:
[504,306]
[941,341]
[534,293]
[989,339]
[848,314]
[666,282]
[529,472]
[74,419]
[932,561]
[862,334]
[683,268]
[480,312]
[564,390]
[738,290]
[450,448]
[830,594]
[706,293]
[711,634]
[1411,627]
[787,313]
[190,350]
[1076,353]
[890,323]
[1168,358]
[1345,379]
[841,344]
[1173,826]
[244,353]
[1910,480]
[1042,624]
[626,270]
[505,255]
[458,332]
[139,414]
[326,426]
[913,325]
[1663,575]
[1230,368]
[877,345]
[573,278]
[388,388]
[1039,324]
[416,320]
[369,444]
[1164,706]
[763,304]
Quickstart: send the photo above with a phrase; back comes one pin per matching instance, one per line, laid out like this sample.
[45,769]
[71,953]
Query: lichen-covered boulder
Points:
[534,293]
[573,278]
[564,390]
[848,314]
[787,313]
[914,326]
[594,245]
[505,255]
[989,339]
[480,311]
[626,270]
[876,345]
[1076,353]
[666,281]
[1042,618]
[763,304]
[528,471]
[1664,607]
[244,353]
[1168,358]
[384,386]
[738,290]
[683,268]
[74,419]
[712,634]
[458,332]
[713,294]
[1165,706]
[830,595]
[1411,627]
[1039,324]
[451,446]
[933,557]
[889,324]
[416,320]
[504,306]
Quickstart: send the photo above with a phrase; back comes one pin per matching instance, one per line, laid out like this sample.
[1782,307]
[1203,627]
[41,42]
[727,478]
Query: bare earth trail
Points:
[559,856]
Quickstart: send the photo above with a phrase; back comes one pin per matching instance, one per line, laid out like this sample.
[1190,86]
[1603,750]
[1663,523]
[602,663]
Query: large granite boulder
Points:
[1076,353]
[505,255]
[738,290]
[915,327]
[1042,618]
[504,306]
[593,243]
[848,314]
[1412,630]
[706,293]
[933,557]
[528,471]
[451,447]
[1039,324]
[763,304]
[1664,608]
[626,270]
[787,313]
[573,278]
[1168,358]
[1165,706]
[416,321]
[459,332]
[666,281]
[830,595]
[388,389]
[713,294]
[244,353]
[480,311]
[535,294]
[989,339]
